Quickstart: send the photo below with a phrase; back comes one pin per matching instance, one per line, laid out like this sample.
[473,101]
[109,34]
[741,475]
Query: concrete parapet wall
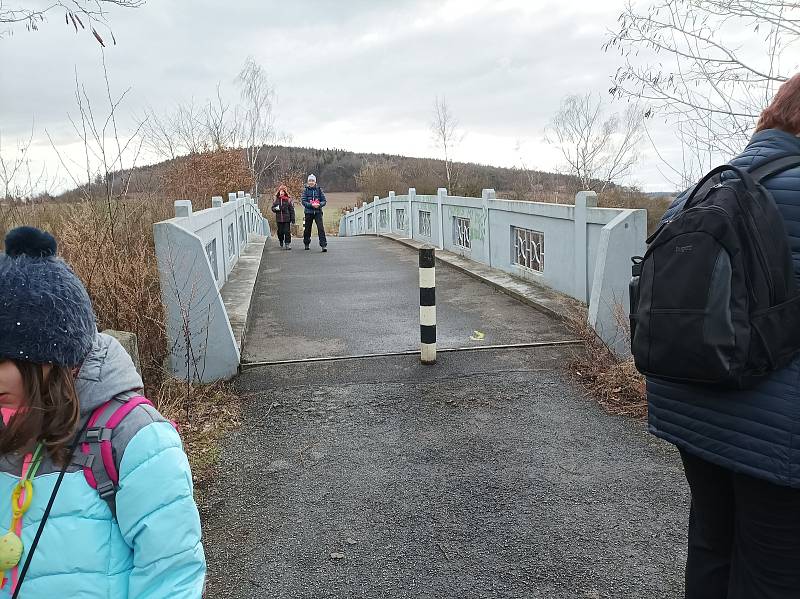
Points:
[197,252]
[579,250]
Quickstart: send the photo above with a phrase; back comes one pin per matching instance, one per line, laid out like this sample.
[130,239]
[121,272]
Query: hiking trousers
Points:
[309,222]
[285,233]
[744,535]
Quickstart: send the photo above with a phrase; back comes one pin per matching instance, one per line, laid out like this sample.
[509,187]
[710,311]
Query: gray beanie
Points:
[46,316]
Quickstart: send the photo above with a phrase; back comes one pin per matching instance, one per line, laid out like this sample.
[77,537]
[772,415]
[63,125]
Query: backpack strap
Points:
[97,453]
[774,166]
[714,176]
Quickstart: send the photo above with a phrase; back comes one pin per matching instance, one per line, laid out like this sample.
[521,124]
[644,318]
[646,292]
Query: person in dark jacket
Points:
[313,201]
[283,207]
[741,449]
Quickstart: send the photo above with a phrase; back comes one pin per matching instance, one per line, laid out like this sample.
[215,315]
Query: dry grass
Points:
[107,238]
[613,381]
[204,413]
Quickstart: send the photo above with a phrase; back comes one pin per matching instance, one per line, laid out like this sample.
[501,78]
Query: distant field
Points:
[341,199]
[333,211]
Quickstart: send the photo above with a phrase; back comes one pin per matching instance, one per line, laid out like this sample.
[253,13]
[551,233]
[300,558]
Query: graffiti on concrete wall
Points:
[477,220]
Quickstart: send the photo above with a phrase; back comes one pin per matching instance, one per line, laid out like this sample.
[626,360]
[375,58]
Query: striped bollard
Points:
[427,305]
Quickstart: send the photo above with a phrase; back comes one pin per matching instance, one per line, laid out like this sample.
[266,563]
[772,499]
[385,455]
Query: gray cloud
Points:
[356,74]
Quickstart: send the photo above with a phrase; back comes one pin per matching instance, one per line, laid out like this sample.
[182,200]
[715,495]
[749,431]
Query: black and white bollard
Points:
[427,305]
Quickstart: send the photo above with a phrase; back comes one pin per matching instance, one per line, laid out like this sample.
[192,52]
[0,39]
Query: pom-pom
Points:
[30,241]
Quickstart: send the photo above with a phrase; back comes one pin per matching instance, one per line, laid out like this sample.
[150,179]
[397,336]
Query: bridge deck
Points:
[362,297]
[487,475]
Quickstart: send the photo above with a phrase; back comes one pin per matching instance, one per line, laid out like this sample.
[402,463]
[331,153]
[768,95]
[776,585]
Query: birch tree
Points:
[598,149]
[258,125]
[446,136]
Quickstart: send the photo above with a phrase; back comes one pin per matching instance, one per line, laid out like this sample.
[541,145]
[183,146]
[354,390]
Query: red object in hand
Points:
[315,203]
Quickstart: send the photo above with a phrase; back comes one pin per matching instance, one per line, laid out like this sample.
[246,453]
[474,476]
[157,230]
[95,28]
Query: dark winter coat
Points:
[286,212]
[755,431]
[313,193]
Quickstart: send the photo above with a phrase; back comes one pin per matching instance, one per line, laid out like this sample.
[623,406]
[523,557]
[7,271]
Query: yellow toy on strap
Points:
[10,543]
[11,546]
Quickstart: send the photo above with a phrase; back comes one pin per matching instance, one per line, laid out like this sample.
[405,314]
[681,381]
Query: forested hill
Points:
[338,169]
[198,175]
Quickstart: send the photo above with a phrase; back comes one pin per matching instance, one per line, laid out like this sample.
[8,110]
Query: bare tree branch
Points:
[597,151]
[446,136]
[694,63]
[259,134]
[191,129]
[82,15]
[20,179]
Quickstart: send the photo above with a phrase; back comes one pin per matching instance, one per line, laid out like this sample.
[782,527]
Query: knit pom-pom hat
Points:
[46,316]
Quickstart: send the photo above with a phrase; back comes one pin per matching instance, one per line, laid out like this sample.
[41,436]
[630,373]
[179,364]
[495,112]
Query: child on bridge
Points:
[283,207]
[95,488]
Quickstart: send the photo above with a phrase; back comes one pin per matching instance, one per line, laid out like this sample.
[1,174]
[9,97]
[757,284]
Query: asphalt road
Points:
[362,297]
[487,475]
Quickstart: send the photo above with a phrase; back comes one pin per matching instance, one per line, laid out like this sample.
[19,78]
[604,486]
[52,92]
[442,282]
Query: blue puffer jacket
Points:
[756,431]
[310,194]
[152,549]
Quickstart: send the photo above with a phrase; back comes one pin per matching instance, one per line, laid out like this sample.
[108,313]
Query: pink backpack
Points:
[97,454]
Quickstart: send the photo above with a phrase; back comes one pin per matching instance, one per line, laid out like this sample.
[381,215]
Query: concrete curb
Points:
[558,306]
[237,293]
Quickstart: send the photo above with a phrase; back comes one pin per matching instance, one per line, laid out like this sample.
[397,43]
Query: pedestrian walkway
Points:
[362,297]
[489,474]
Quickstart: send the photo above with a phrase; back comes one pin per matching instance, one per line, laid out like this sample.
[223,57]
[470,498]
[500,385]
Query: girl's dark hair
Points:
[784,110]
[50,413]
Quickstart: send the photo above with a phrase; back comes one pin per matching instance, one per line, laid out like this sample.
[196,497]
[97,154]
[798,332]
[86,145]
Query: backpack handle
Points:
[744,176]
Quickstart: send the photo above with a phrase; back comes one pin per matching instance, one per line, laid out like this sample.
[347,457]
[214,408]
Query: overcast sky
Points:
[355,74]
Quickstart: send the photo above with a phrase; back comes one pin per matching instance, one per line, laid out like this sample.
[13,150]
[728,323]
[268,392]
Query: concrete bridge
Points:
[358,472]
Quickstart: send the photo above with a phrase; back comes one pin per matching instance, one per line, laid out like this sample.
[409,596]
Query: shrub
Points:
[378,178]
[628,198]
[198,177]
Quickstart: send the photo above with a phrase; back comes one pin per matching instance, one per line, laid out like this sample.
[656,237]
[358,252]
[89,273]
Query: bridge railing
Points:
[197,252]
[577,249]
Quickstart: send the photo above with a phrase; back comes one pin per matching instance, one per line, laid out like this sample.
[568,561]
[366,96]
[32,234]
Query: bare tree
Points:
[709,67]
[105,171]
[221,122]
[598,149]
[192,129]
[159,134]
[80,14]
[178,132]
[378,178]
[447,136]
[258,107]
[20,178]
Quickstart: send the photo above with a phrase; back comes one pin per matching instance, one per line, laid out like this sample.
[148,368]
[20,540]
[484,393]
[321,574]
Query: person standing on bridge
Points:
[741,448]
[283,207]
[95,489]
[313,201]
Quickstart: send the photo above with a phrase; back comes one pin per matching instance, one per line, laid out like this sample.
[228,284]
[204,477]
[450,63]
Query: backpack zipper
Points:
[750,224]
[652,238]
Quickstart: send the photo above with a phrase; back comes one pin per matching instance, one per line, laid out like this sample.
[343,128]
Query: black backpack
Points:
[714,299]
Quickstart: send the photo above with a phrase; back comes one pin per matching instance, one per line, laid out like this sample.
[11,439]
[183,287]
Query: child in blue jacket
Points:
[95,488]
